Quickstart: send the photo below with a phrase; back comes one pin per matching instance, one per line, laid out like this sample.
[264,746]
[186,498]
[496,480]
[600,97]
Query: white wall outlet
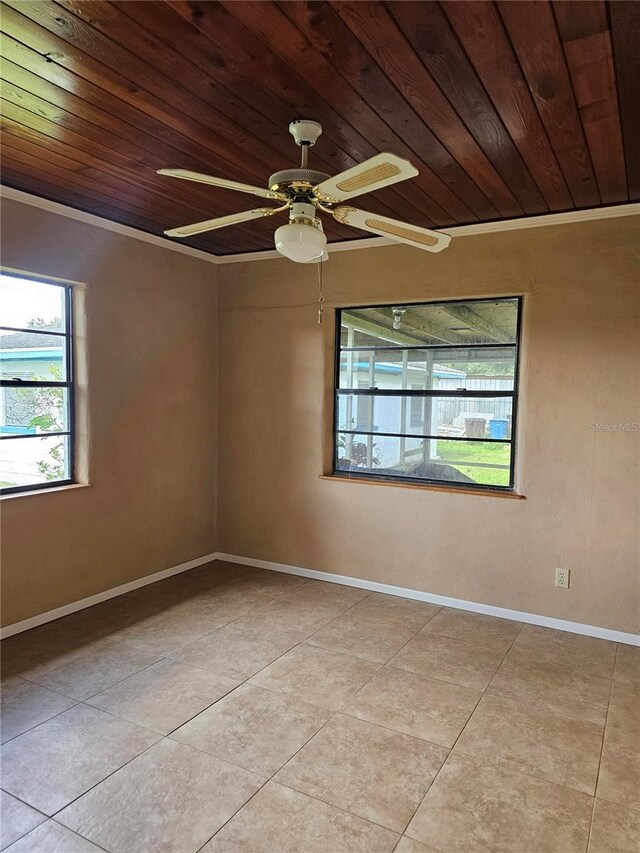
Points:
[562,578]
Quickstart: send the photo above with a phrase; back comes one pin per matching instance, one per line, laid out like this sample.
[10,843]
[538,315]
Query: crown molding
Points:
[100,222]
[546,219]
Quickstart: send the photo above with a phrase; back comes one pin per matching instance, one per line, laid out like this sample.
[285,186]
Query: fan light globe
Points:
[300,242]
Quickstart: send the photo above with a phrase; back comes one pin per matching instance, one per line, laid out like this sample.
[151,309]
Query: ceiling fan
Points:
[304,192]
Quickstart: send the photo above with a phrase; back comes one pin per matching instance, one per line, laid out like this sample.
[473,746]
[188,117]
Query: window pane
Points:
[32,356]
[33,461]
[472,322]
[477,369]
[482,368]
[25,411]
[393,369]
[31,304]
[351,334]
[476,462]
[473,417]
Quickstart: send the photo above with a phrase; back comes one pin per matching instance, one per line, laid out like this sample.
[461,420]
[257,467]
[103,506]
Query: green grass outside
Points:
[494,454]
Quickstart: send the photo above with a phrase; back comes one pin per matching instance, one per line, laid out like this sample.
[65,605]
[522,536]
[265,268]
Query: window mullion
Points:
[26,330]
[33,383]
[34,435]
[470,393]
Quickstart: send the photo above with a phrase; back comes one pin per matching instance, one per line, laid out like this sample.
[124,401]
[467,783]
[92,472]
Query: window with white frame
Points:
[36,384]
[428,392]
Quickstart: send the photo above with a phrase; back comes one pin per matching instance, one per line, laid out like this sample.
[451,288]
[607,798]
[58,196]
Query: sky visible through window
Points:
[23,300]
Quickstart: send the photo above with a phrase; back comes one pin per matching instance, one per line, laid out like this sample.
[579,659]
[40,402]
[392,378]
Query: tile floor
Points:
[235,709]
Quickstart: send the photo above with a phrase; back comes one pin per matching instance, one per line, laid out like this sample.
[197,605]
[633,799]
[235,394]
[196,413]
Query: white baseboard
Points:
[445,601]
[374,586]
[66,609]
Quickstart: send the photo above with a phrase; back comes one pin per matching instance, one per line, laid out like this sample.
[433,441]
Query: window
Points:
[428,393]
[36,384]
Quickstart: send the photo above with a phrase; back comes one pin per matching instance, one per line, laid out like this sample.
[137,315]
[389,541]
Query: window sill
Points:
[429,487]
[51,490]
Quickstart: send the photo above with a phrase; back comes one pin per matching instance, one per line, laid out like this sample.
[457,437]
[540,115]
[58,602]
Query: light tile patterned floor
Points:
[231,709]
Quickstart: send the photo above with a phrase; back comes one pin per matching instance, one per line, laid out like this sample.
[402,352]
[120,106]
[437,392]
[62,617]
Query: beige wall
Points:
[581,365]
[151,333]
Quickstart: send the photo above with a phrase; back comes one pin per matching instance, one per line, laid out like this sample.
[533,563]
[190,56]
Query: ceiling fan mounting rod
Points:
[304,154]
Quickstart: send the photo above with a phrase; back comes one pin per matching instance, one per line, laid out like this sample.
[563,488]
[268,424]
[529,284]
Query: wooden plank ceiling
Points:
[508,109]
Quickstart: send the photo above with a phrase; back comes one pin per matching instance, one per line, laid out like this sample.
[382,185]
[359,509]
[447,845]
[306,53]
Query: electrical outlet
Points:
[562,578]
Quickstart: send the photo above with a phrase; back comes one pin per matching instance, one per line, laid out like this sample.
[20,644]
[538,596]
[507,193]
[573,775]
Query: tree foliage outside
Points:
[485,368]
[47,408]
[49,412]
[39,323]
[49,417]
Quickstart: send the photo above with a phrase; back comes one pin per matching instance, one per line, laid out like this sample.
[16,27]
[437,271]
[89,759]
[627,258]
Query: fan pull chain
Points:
[320,292]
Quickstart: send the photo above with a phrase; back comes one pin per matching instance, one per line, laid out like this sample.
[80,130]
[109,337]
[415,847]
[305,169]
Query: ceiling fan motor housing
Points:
[293,181]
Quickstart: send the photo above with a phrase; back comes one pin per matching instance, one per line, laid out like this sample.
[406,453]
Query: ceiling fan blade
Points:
[185,175]
[395,229]
[221,222]
[375,173]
